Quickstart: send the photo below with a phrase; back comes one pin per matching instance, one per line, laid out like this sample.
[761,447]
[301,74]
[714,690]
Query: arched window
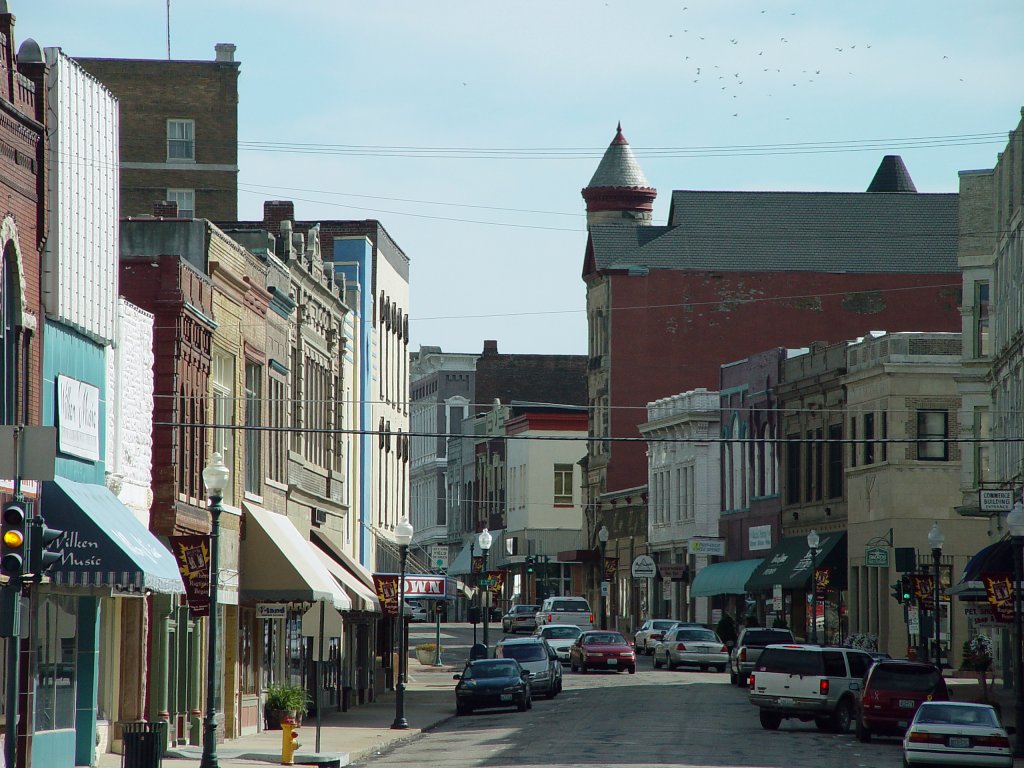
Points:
[738,473]
[771,472]
[9,342]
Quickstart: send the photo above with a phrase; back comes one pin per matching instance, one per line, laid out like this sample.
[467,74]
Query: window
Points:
[186,201]
[278,448]
[563,483]
[222,375]
[253,422]
[853,441]
[982,451]
[981,337]
[809,467]
[883,446]
[8,341]
[835,461]
[57,653]
[181,140]
[932,436]
[793,469]
[819,459]
[869,438]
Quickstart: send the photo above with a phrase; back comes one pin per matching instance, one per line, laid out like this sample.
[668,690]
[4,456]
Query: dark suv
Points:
[893,691]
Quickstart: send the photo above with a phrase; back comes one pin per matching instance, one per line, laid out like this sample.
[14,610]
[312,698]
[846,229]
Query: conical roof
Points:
[892,176]
[618,167]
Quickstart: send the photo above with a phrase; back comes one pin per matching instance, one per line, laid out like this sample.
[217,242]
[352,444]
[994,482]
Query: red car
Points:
[893,691]
[602,649]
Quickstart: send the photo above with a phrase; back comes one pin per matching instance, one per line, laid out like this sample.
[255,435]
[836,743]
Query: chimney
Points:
[165,209]
[490,346]
[276,211]
[224,52]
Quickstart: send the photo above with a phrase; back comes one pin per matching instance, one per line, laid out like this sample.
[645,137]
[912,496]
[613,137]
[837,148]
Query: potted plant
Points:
[425,652]
[284,701]
[977,653]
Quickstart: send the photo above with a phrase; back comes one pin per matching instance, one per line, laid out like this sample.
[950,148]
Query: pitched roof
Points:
[618,167]
[892,176]
[790,231]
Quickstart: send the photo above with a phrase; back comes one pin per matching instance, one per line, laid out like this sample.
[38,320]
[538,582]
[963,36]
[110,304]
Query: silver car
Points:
[560,637]
[650,633]
[692,646]
[536,657]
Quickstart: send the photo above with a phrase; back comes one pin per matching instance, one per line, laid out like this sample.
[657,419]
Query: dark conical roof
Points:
[618,167]
[892,176]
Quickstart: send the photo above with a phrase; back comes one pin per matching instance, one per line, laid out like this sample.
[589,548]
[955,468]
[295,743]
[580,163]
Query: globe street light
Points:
[602,537]
[215,478]
[403,537]
[1015,522]
[935,541]
[812,542]
[485,540]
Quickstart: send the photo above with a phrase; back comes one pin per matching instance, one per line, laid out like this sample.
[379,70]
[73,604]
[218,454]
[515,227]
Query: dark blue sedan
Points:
[488,683]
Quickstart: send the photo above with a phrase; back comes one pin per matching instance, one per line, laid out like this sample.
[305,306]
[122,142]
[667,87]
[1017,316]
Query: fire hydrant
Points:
[289,740]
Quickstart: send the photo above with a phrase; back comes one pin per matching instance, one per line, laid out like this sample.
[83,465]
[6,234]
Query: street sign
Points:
[644,567]
[876,557]
[604,589]
[438,556]
[995,500]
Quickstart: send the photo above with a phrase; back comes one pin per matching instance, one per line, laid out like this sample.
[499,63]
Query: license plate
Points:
[907,703]
[785,702]
[959,742]
[613,661]
[506,697]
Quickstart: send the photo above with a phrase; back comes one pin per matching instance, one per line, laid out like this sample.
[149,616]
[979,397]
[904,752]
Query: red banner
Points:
[387,593]
[611,566]
[822,578]
[924,591]
[497,579]
[478,564]
[999,590]
[193,556]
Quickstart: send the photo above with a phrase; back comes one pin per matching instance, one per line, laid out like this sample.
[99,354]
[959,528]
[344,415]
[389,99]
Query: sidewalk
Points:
[350,736]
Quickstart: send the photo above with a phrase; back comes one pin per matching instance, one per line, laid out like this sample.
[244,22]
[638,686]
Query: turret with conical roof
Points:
[619,193]
[892,176]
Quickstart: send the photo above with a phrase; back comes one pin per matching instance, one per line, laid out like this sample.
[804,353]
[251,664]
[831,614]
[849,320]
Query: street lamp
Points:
[602,537]
[476,581]
[215,478]
[812,542]
[484,540]
[935,541]
[1015,522]
[403,537]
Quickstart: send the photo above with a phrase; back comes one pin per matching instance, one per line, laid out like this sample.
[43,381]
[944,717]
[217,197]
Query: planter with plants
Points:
[284,701]
[425,652]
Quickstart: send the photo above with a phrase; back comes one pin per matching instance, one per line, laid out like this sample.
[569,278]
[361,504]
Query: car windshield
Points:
[526,608]
[524,651]
[490,670]
[899,677]
[604,638]
[791,661]
[697,634]
[944,714]
[561,633]
[767,637]
[569,606]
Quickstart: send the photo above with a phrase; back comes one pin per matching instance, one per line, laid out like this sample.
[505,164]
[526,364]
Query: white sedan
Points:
[560,637]
[650,633]
[693,646]
[956,733]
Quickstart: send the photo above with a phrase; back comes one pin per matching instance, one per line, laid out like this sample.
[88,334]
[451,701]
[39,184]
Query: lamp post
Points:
[935,541]
[602,538]
[476,580]
[215,478]
[812,542]
[403,537]
[1015,522]
[484,540]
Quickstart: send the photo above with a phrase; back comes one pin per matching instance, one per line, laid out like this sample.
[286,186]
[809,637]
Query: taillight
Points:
[723,649]
[992,741]
[680,647]
[743,655]
[751,681]
[591,618]
[550,620]
[918,737]
[823,687]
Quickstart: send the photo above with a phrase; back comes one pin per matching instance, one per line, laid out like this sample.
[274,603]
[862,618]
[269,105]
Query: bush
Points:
[977,654]
[726,629]
[427,647]
[287,698]
[863,641]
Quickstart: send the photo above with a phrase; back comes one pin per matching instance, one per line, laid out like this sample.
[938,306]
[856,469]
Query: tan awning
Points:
[363,598]
[276,565]
[361,572]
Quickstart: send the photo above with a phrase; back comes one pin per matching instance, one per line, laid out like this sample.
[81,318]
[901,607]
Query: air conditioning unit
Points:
[319,516]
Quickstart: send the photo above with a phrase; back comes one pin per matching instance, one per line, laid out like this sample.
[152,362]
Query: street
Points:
[656,717]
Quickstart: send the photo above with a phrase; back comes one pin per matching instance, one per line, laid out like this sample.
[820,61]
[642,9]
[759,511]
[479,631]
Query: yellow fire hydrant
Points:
[289,740]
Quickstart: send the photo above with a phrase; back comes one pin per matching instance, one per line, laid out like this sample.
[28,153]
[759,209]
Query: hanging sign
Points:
[876,557]
[644,567]
[611,566]
[999,591]
[271,610]
[192,554]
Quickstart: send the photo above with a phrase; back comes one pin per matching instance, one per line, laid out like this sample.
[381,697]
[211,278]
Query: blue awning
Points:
[461,565]
[104,544]
[728,578]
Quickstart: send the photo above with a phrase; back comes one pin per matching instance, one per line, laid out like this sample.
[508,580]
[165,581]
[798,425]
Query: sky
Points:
[468,127]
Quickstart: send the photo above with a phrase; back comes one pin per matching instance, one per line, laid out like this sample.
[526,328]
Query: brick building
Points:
[179,132]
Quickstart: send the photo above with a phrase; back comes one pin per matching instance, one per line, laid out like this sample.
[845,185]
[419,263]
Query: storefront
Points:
[725,585]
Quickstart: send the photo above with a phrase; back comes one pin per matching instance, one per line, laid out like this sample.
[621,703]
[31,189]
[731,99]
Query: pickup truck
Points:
[749,644]
[566,610]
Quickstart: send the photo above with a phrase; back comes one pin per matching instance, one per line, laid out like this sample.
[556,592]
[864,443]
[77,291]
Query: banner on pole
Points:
[192,554]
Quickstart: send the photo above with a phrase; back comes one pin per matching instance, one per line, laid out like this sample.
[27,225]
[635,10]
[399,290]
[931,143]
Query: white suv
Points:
[808,682]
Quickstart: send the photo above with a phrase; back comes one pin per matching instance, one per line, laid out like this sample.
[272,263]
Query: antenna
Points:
[168,30]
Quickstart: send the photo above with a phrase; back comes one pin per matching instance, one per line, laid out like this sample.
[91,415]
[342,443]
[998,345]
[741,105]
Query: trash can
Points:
[143,744]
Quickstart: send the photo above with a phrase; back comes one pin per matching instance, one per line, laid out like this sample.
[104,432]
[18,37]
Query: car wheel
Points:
[529,702]
[841,717]
[770,721]
[720,668]
[863,732]
[657,663]
[703,668]
[733,678]
[668,661]
[743,681]
[522,706]
[552,692]
[463,710]
[822,724]
[632,670]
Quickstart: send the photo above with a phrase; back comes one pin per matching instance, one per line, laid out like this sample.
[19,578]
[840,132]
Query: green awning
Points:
[789,564]
[727,578]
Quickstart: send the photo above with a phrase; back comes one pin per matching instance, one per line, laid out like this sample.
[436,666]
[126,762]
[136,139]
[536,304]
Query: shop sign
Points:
[709,547]
[876,557]
[995,500]
[644,567]
[78,418]
[271,610]
[671,571]
[759,537]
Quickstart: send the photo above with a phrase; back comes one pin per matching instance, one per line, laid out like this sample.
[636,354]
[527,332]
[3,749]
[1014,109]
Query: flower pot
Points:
[425,657]
[272,717]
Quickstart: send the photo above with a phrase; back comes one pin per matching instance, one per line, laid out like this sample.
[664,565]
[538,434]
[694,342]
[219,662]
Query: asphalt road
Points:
[654,718]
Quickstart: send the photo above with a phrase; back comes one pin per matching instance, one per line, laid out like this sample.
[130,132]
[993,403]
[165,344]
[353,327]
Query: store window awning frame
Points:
[789,563]
[724,578]
[363,599]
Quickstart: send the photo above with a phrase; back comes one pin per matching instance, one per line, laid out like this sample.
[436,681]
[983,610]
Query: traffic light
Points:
[897,592]
[15,540]
[41,559]
[907,589]
[530,560]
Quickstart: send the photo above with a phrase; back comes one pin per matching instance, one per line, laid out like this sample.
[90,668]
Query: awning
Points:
[277,566]
[727,578]
[104,544]
[789,564]
[994,558]
[363,598]
[462,564]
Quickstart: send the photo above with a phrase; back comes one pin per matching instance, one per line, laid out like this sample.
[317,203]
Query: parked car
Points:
[566,610]
[749,644]
[808,682]
[692,646]
[536,657]
[893,690]
[560,637]
[956,733]
[488,683]
[650,632]
[418,610]
[601,649]
[520,618]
